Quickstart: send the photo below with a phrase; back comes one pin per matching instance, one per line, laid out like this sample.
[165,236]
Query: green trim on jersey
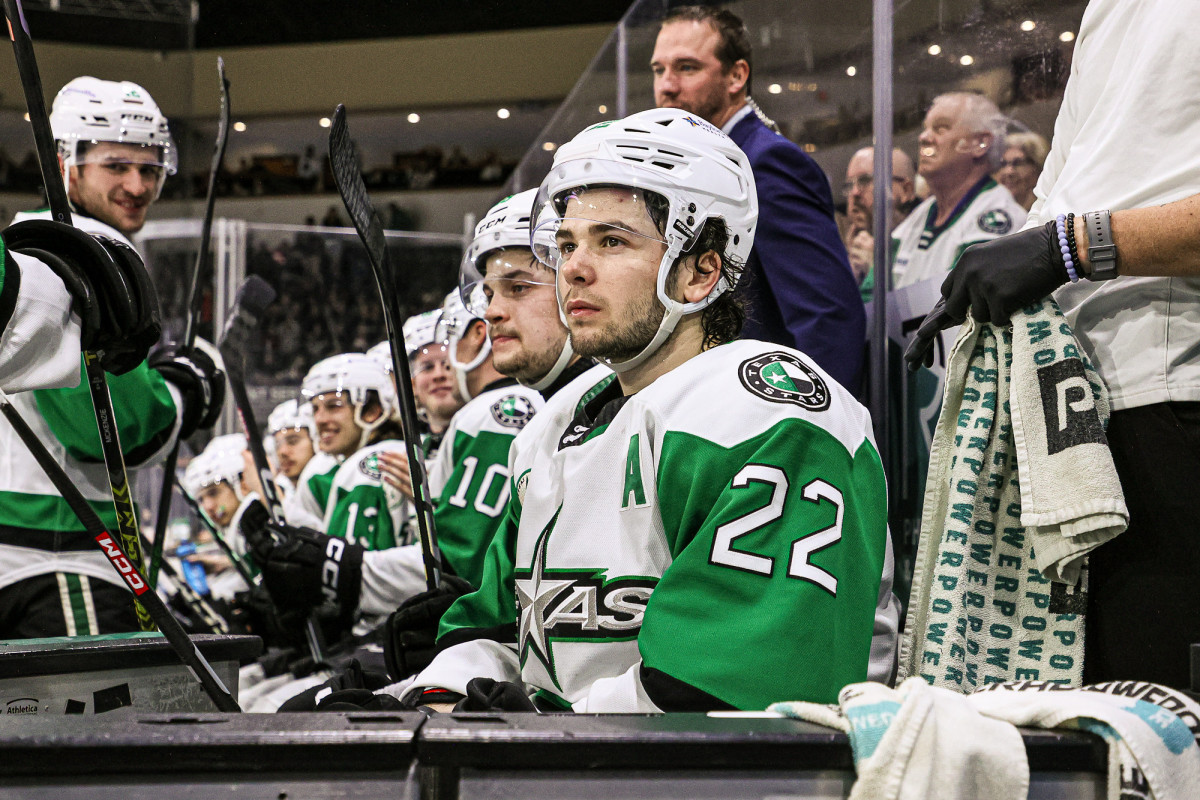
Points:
[46,512]
[734,518]
[144,409]
[467,516]
[931,232]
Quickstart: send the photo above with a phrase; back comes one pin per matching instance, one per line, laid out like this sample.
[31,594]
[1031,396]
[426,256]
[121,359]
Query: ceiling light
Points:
[414,118]
[323,122]
[1028,25]
[548,146]
[239,126]
[603,109]
[810,148]
[27,116]
[774,88]
[1067,36]
[966,61]
[935,49]
[502,113]
[851,71]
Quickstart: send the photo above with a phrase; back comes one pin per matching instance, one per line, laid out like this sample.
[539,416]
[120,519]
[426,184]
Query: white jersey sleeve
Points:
[39,336]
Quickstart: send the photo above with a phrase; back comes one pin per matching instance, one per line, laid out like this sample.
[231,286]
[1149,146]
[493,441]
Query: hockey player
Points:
[707,528]
[216,479]
[309,471]
[116,150]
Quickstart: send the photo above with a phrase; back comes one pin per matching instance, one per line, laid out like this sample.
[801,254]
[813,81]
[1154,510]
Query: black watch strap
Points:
[1101,251]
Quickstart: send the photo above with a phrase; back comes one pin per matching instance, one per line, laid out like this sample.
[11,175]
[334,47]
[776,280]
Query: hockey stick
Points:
[60,209]
[193,314]
[344,164]
[251,300]
[238,562]
[189,654]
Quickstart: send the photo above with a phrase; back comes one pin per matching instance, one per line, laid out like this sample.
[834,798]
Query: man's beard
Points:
[625,340]
[526,365]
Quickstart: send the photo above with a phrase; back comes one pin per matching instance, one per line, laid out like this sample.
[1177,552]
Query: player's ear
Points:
[700,276]
[737,76]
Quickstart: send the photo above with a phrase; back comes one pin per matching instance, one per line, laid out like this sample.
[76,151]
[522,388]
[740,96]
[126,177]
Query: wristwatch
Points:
[1101,250]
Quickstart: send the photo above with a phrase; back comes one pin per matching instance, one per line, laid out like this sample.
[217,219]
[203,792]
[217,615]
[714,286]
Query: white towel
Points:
[989,602]
[1071,499]
[919,742]
[1152,752]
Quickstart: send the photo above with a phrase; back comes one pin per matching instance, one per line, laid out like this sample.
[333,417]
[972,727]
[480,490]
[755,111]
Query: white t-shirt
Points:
[1128,136]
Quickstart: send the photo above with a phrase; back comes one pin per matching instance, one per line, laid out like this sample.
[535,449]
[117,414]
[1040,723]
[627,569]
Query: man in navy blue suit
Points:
[801,291]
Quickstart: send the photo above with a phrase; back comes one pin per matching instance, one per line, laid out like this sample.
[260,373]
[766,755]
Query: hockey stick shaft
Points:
[188,653]
[350,185]
[162,515]
[60,209]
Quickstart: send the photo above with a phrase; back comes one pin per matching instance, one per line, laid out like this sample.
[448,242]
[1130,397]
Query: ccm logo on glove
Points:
[331,569]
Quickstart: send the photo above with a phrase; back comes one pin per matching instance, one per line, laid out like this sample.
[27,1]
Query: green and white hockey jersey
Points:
[38,532]
[921,250]
[39,337]
[470,476]
[718,539]
[360,509]
[305,504]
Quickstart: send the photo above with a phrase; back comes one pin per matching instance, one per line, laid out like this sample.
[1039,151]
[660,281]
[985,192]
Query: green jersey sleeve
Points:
[776,563]
[144,408]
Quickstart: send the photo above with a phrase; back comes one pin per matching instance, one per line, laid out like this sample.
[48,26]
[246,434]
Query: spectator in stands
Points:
[798,284]
[859,189]
[1024,155]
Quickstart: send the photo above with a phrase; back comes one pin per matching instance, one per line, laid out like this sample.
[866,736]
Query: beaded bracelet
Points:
[1071,243]
[1065,247]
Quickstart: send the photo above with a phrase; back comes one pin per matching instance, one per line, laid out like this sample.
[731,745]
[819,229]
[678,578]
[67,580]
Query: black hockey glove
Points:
[993,280]
[305,568]
[352,686]
[113,295]
[410,633]
[486,694]
[199,380]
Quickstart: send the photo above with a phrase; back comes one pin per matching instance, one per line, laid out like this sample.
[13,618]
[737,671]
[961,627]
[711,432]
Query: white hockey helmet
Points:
[289,415]
[674,154]
[505,226]
[453,323]
[89,110]
[220,461]
[354,374]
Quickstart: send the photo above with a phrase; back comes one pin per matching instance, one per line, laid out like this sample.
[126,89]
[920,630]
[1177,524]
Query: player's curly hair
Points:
[721,321]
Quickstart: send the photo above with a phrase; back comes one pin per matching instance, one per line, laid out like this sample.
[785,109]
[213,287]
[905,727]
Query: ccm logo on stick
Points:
[122,564]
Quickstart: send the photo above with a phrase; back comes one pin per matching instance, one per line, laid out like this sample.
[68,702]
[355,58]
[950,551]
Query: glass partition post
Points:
[882,135]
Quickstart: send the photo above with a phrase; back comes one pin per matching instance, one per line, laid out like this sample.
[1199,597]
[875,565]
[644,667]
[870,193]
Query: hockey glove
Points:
[113,295]
[410,638]
[486,694]
[993,280]
[199,380]
[305,568]
[352,682]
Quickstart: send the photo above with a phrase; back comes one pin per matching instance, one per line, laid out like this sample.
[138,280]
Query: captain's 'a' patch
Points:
[513,411]
[783,378]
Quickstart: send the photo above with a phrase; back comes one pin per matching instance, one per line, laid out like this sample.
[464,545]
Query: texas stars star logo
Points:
[534,594]
[782,378]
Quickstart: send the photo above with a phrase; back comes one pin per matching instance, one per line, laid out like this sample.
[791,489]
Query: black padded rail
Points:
[63,655]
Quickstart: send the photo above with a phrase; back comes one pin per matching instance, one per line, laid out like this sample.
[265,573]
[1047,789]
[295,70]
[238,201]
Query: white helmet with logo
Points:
[354,374]
[220,461]
[506,225]
[89,110]
[693,166]
[289,415]
[453,324]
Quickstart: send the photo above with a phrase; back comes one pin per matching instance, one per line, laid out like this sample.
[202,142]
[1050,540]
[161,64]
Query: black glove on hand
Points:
[112,292]
[410,637]
[354,679]
[993,280]
[486,694]
[199,380]
[306,568]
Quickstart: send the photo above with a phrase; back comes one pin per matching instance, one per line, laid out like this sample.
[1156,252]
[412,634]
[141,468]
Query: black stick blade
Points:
[343,162]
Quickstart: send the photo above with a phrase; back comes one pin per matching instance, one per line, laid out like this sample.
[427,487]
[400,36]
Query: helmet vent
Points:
[663,164]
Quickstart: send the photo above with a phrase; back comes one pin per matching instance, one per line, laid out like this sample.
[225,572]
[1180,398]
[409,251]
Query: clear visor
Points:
[600,216]
[511,272]
[161,156]
[429,357]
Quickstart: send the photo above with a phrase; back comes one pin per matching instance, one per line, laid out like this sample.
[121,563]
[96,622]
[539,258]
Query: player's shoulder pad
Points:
[362,468]
[742,389]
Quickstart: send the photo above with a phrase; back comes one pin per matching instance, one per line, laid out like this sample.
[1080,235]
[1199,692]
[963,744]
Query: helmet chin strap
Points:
[367,428]
[550,377]
[461,369]
[675,311]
